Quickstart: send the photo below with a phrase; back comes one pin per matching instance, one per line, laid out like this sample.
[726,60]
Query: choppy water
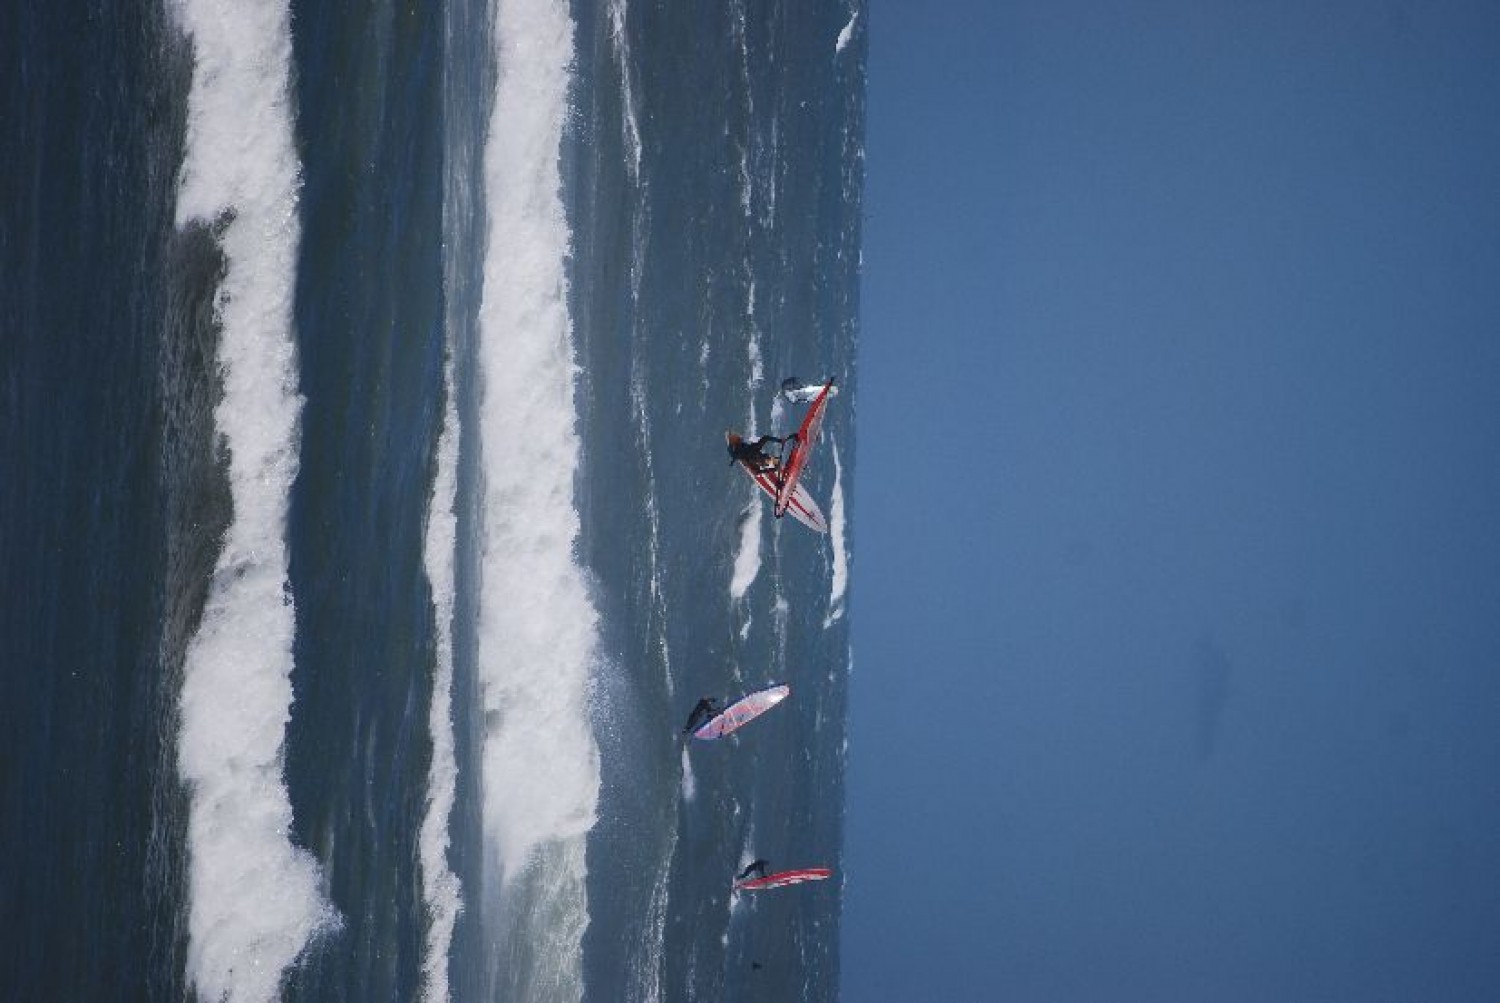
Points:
[366,523]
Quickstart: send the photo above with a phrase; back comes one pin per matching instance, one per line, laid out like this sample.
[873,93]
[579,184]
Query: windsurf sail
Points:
[742,712]
[798,448]
[802,506]
[782,879]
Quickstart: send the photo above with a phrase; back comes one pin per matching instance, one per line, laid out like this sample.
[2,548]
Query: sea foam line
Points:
[747,559]
[747,556]
[652,927]
[837,533]
[846,34]
[537,628]
[441,891]
[656,625]
[254,899]
[741,37]
[630,128]
[640,231]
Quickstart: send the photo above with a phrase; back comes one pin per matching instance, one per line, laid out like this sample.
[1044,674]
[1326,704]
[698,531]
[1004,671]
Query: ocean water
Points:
[366,525]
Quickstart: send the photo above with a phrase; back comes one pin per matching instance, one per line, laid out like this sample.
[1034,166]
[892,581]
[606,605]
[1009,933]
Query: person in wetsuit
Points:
[752,454]
[703,710]
[755,867]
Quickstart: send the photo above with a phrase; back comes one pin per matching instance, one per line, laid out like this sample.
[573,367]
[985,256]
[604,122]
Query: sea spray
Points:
[254,899]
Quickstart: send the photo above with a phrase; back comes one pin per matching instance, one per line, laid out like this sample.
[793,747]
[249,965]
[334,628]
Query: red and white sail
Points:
[795,461]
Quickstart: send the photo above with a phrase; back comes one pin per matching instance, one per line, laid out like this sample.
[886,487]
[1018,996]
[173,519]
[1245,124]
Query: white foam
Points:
[846,34]
[781,611]
[441,891]
[757,365]
[747,556]
[629,121]
[652,932]
[837,534]
[747,184]
[642,415]
[689,785]
[254,898]
[537,628]
[740,39]
[747,559]
[772,173]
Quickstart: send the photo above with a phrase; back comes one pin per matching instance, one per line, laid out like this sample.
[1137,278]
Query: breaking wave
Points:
[254,898]
[537,627]
[441,892]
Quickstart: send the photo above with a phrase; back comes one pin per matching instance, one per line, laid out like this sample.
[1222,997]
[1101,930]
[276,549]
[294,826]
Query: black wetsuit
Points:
[702,711]
[754,453]
[756,867]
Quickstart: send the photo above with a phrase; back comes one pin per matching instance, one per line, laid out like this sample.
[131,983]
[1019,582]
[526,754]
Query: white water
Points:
[747,556]
[647,970]
[689,788]
[741,42]
[747,559]
[441,892]
[658,613]
[838,534]
[254,898]
[846,34]
[639,393]
[629,124]
[537,628]
[781,615]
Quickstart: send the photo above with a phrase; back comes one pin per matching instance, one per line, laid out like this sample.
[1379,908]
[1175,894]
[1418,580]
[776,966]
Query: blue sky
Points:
[1176,584]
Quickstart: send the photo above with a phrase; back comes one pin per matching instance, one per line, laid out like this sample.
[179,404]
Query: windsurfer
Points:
[703,710]
[752,454]
[756,867]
